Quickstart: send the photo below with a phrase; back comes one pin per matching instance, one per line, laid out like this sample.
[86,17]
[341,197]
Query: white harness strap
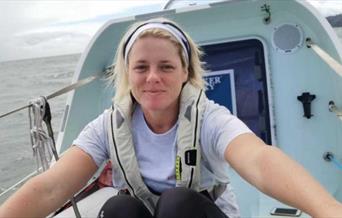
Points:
[193,102]
[192,105]
[123,153]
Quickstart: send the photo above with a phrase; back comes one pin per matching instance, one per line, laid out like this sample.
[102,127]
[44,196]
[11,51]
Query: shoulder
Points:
[217,115]
[95,129]
[93,138]
[102,119]
[215,111]
[220,127]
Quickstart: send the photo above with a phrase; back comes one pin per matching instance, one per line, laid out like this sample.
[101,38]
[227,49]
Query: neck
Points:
[160,121]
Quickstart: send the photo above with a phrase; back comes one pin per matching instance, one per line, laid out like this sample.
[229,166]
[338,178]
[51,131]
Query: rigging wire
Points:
[67,89]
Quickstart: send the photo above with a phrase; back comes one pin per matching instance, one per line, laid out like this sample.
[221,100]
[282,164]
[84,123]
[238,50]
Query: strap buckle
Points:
[190,157]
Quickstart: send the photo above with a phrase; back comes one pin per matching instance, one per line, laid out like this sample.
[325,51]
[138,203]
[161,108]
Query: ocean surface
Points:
[22,81]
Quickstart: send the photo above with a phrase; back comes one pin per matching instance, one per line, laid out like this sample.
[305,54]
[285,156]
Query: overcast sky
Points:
[46,28]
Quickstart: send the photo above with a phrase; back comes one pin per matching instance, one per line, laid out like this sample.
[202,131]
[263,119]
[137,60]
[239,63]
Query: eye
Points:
[167,67]
[140,68]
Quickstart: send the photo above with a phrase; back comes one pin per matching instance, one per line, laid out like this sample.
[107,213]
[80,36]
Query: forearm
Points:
[48,191]
[284,179]
[275,174]
[34,199]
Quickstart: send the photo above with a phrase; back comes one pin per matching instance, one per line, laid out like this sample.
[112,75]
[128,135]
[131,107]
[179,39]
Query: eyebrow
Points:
[165,61]
[144,61]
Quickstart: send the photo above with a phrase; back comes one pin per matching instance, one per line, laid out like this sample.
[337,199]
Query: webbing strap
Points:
[335,65]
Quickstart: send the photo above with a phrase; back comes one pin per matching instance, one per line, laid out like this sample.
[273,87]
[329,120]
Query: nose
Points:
[153,75]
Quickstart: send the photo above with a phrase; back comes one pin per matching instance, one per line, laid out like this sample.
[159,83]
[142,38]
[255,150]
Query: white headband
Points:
[171,28]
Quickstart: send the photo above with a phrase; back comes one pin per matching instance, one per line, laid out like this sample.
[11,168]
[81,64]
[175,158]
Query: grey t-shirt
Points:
[156,152]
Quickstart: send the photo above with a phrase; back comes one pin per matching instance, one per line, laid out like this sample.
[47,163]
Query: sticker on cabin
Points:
[221,88]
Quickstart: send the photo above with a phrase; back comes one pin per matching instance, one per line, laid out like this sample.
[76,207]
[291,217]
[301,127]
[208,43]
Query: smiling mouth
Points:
[154,91]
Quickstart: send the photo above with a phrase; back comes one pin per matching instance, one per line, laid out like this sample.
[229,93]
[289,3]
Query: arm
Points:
[275,174]
[46,192]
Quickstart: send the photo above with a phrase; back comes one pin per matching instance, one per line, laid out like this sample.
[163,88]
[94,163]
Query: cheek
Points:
[134,82]
[133,79]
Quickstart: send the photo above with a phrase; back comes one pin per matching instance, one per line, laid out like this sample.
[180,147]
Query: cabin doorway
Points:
[236,78]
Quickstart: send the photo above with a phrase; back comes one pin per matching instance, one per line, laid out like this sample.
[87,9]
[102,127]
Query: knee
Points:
[123,206]
[177,201]
[185,203]
[178,195]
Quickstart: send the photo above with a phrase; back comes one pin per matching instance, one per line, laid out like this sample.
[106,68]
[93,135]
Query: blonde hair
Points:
[194,66]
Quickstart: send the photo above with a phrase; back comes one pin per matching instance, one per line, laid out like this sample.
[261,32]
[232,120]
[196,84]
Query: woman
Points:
[162,133]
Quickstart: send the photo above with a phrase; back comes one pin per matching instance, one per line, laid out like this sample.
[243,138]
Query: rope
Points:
[330,157]
[43,143]
[40,140]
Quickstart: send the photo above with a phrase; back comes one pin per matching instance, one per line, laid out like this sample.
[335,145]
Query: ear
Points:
[185,75]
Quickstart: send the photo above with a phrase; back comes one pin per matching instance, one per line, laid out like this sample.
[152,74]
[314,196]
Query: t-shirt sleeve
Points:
[93,139]
[219,128]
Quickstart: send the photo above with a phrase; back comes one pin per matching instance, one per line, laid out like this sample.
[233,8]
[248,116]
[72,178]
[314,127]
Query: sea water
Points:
[22,81]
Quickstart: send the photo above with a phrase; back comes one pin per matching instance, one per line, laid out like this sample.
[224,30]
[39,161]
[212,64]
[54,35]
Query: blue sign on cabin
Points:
[221,88]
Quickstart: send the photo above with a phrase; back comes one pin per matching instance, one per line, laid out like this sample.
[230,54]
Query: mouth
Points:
[154,91]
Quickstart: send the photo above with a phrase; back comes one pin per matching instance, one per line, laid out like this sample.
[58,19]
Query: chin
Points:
[154,106]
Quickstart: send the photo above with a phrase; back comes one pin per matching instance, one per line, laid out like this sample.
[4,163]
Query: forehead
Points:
[151,45]
[155,40]
[159,34]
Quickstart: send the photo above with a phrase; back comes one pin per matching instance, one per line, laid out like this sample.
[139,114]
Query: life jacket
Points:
[192,106]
